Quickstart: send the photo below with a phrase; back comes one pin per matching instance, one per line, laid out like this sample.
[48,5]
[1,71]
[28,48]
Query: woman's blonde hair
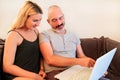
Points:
[29,8]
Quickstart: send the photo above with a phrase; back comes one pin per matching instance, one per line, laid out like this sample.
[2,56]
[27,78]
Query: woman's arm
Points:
[42,69]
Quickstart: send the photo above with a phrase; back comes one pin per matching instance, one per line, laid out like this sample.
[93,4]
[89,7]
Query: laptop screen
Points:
[102,65]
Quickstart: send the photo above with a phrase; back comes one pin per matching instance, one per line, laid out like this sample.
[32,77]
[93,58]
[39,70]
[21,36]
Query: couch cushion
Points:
[114,68]
[93,47]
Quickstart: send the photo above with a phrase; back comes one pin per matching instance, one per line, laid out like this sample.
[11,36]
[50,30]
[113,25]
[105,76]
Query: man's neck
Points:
[62,31]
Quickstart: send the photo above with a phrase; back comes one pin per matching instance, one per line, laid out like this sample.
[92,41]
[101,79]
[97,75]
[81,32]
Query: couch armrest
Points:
[114,68]
[1,51]
[1,56]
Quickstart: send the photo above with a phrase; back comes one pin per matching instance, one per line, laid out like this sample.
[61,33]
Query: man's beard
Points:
[58,26]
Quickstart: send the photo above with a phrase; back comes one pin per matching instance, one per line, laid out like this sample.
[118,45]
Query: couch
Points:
[94,48]
[1,56]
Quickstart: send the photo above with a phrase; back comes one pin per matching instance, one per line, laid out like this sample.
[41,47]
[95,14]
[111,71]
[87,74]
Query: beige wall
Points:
[87,18]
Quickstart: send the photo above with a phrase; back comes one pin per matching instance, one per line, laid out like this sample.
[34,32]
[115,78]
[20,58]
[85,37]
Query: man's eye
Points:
[61,18]
[35,20]
[54,20]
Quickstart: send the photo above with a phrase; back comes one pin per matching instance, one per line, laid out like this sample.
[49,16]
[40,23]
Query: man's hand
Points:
[86,61]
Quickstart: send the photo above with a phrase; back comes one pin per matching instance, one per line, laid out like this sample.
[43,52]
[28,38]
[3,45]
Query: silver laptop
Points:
[78,72]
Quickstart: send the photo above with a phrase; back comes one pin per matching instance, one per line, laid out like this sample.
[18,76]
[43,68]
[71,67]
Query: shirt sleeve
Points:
[78,40]
[43,37]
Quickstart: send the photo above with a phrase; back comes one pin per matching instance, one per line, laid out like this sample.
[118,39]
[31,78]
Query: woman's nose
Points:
[37,23]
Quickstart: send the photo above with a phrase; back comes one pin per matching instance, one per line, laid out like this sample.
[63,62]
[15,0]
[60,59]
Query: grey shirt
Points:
[63,45]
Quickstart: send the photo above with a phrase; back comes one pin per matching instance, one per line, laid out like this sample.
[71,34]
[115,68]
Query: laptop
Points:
[78,72]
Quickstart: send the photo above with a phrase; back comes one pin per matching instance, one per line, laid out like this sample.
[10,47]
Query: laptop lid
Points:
[102,64]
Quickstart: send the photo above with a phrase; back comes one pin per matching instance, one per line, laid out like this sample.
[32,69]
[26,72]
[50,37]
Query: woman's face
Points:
[33,21]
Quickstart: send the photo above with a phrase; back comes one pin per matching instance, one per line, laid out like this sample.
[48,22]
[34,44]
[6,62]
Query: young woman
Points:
[22,57]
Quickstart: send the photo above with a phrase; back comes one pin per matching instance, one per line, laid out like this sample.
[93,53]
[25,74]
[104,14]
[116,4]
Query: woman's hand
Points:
[42,73]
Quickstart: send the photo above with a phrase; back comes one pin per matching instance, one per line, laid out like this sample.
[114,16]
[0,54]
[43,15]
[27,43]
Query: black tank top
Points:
[27,56]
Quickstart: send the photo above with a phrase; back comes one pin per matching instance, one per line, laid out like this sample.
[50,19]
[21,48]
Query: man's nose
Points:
[59,22]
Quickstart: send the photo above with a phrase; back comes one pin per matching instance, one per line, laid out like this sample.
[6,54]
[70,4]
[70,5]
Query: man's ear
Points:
[48,20]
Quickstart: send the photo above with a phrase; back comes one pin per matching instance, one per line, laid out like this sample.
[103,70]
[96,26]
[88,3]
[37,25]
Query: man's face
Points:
[56,19]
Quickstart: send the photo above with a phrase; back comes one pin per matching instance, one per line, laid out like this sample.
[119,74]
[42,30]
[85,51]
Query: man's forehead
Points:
[56,17]
[54,11]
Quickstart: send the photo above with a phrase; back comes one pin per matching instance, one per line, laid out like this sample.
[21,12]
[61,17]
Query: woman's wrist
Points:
[41,69]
